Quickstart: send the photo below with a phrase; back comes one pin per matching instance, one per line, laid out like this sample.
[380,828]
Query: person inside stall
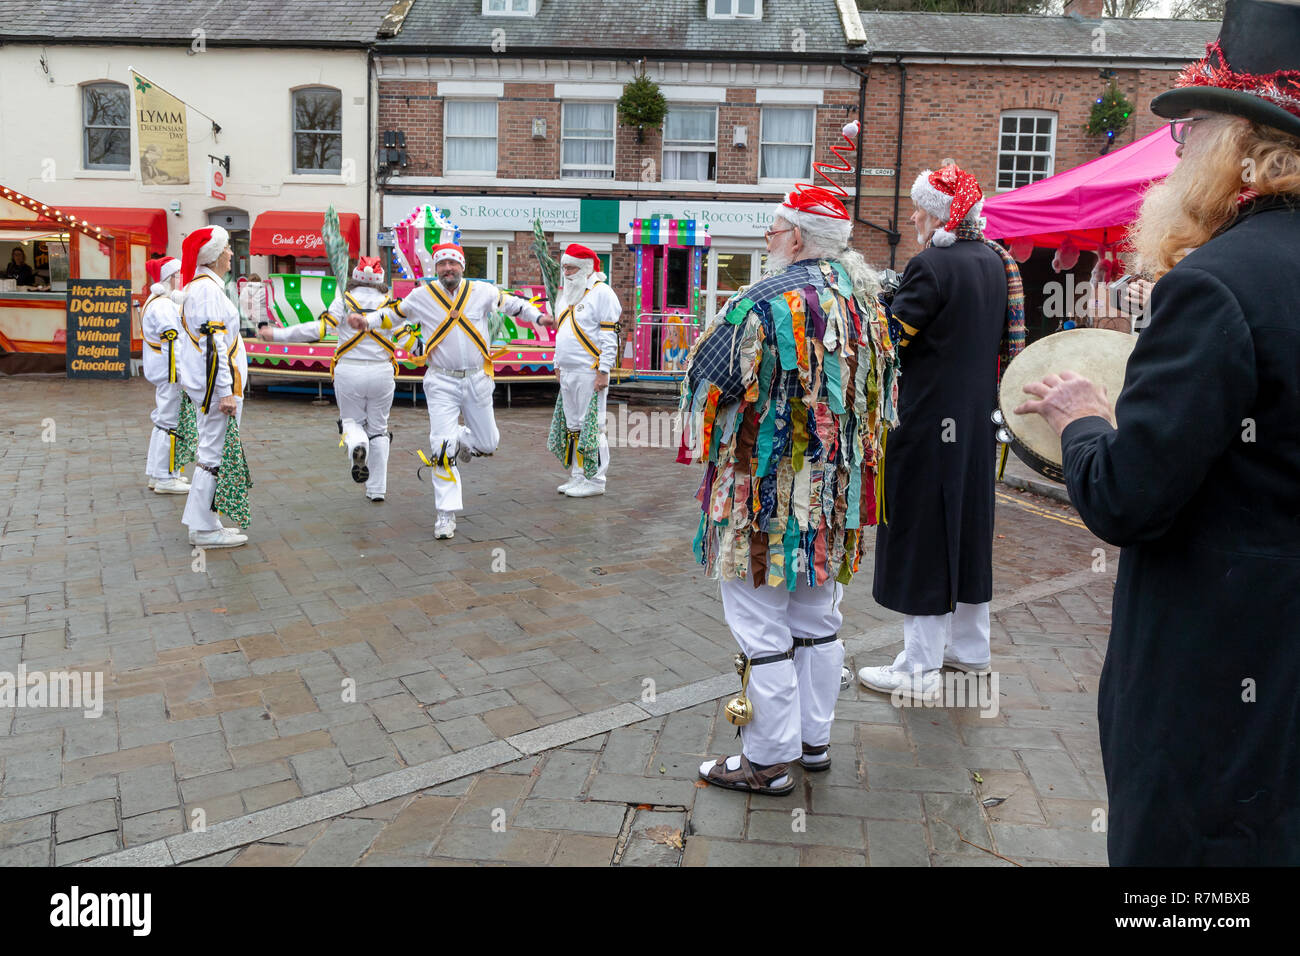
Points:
[19,269]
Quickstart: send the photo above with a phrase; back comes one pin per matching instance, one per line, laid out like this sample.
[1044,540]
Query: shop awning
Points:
[126,219]
[299,234]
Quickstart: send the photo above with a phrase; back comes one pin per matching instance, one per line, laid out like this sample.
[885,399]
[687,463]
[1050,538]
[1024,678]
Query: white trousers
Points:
[166,414]
[364,391]
[199,515]
[576,387]
[794,701]
[449,399]
[962,635]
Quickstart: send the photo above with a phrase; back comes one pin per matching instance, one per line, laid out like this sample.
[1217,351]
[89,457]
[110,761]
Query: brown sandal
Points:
[748,778]
[809,762]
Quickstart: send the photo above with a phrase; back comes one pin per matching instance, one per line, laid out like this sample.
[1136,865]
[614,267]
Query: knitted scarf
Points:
[1013,336]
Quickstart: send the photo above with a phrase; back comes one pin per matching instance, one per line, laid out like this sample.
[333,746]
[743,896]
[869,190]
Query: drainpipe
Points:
[371,106]
[898,162]
[891,232]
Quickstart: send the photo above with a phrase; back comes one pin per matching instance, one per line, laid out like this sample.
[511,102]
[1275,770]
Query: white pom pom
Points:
[943,238]
[851,129]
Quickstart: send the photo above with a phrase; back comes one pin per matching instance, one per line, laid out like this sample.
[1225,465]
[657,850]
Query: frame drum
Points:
[1099,355]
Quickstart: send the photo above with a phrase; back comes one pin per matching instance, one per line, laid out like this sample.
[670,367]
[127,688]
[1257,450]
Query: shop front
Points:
[49,246]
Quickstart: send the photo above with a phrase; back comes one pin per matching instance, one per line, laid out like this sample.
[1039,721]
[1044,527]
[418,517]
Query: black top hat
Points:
[1252,70]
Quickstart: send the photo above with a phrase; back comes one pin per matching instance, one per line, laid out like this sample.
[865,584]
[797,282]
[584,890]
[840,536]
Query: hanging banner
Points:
[99,328]
[160,133]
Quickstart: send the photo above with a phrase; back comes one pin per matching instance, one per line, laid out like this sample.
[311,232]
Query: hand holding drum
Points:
[1071,375]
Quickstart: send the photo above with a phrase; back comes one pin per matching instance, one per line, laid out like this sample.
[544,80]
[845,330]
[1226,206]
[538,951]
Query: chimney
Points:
[1088,9]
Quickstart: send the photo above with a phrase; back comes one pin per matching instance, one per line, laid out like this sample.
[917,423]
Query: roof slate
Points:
[630,26]
[989,34]
[329,22]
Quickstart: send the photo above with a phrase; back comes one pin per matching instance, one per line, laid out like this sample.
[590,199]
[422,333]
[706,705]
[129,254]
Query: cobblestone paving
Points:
[224,687]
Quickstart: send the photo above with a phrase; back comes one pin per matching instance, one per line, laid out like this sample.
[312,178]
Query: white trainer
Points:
[194,534]
[979,670]
[172,486]
[152,482]
[563,489]
[225,538]
[445,526]
[921,689]
[584,487]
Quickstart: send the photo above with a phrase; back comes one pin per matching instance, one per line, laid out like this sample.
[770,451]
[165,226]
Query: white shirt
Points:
[206,302]
[366,350]
[160,316]
[458,349]
[595,315]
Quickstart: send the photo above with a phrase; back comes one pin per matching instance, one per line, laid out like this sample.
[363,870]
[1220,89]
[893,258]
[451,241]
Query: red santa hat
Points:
[448,250]
[201,247]
[585,259]
[369,271]
[950,194]
[160,270]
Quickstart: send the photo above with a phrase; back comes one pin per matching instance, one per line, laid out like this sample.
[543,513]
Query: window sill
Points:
[330,179]
[105,174]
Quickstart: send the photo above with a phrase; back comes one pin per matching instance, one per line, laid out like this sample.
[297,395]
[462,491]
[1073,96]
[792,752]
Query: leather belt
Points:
[814,641]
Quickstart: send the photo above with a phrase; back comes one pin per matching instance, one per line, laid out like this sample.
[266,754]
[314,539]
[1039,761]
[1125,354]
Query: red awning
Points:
[299,234]
[127,219]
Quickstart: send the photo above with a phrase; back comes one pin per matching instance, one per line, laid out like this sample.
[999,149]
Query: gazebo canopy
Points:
[1092,204]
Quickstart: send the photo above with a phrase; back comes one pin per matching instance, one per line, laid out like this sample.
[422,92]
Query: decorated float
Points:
[666,295]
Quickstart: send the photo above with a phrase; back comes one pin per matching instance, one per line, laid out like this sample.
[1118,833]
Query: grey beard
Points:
[571,289]
[450,283]
[777,263]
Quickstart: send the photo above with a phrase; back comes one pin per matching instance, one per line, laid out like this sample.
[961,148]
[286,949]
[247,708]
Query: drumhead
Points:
[1099,355]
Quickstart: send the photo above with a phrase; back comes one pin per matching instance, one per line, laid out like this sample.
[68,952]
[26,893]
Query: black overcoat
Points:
[936,546]
[1199,699]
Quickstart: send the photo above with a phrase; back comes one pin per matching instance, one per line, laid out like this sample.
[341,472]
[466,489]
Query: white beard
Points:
[571,290]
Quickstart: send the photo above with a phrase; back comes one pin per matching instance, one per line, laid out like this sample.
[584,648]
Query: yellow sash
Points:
[456,318]
[339,352]
[586,343]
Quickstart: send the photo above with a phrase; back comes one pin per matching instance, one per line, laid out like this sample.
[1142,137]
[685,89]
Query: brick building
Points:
[507,109]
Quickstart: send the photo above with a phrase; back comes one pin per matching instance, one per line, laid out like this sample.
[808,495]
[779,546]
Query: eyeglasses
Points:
[776,232]
[1178,128]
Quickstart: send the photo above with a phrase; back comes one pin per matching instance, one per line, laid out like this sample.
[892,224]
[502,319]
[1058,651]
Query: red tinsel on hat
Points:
[1282,88]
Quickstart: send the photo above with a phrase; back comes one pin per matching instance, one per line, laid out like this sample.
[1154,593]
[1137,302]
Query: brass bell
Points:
[739,710]
[739,662]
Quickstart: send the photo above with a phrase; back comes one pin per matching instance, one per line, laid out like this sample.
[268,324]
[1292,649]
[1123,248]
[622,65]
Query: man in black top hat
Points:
[1199,700]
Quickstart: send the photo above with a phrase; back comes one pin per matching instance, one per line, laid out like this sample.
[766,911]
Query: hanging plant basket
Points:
[642,105]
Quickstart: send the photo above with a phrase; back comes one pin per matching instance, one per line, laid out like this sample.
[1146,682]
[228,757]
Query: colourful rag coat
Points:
[787,400]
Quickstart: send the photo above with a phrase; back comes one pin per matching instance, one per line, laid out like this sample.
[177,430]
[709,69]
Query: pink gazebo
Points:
[1091,205]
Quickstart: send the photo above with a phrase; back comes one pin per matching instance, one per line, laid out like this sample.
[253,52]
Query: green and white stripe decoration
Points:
[416,235]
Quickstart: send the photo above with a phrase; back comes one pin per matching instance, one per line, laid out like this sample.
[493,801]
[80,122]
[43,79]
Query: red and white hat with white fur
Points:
[950,194]
[201,247]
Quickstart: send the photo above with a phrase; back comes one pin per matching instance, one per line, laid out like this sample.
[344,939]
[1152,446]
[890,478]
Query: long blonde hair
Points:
[1199,197]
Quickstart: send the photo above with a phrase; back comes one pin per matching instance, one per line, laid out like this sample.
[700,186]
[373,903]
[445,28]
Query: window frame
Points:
[508,12]
[733,11]
[294,131]
[85,128]
[496,139]
[613,138]
[812,146]
[665,148]
[1050,154]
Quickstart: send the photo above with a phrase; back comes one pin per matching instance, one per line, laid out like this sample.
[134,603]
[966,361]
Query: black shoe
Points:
[360,473]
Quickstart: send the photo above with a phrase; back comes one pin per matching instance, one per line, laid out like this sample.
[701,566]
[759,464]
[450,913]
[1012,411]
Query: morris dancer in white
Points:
[363,368]
[586,338]
[454,314]
[160,326]
[214,374]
